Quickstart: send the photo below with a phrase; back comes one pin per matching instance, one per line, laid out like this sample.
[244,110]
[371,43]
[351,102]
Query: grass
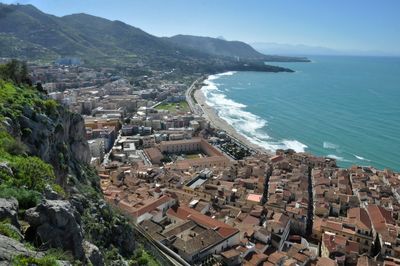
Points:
[7,230]
[192,156]
[142,257]
[21,260]
[179,107]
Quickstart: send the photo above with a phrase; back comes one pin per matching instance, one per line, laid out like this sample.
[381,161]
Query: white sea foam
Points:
[361,158]
[228,73]
[329,145]
[337,158]
[246,123]
[295,145]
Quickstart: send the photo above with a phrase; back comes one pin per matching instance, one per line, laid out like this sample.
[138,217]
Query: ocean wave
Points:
[216,76]
[361,158]
[337,158]
[247,124]
[295,145]
[228,73]
[329,145]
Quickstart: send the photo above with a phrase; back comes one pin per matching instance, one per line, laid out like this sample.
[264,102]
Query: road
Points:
[192,105]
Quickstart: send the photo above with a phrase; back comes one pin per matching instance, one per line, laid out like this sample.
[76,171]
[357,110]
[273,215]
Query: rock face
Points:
[93,254]
[9,210]
[58,139]
[56,224]
[10,248]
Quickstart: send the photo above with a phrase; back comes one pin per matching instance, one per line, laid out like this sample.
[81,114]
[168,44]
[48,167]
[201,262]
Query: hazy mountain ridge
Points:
[305,50]
[216,46]
[222,47]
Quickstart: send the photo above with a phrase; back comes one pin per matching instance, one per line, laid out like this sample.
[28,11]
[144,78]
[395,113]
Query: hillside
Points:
[31,34]
[51,205]
[216,46]
[231,49]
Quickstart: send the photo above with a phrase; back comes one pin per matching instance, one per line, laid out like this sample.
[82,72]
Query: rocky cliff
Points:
[51,207]
[57,137]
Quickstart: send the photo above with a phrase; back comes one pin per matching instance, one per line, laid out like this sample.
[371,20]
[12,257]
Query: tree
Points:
[15,71]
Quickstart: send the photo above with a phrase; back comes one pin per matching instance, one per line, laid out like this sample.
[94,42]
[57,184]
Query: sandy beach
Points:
[216,122]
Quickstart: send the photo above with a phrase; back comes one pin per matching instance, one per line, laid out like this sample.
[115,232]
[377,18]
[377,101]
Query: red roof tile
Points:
[186,213]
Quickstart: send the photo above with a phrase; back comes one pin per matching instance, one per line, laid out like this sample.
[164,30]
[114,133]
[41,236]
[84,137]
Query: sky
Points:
[364,25]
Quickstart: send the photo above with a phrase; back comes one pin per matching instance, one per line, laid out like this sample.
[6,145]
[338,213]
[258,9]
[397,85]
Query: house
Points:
[197,235]
[154,210]
[339,248]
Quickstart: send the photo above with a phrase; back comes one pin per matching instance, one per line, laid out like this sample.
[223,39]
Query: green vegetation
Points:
[192,156]
[9,231]
[21,176]
[14,98]
[16,71]
[181,106]
[47,260]
[26,198]
[142,257]
[22,171]
[14,47]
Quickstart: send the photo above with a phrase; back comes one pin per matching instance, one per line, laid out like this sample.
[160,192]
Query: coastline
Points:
[218,123]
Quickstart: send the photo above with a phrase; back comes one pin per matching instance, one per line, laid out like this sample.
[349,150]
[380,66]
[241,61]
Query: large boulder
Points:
[10,248]
[93,254]
[9,210]
[56,224]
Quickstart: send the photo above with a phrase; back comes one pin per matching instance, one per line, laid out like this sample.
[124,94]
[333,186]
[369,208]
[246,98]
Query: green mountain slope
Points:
[11,46]
[101,42]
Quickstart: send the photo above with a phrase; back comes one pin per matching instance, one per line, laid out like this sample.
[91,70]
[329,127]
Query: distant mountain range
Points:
[306,50]
[27,33]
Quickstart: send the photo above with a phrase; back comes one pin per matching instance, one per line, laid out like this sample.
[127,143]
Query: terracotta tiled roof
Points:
[151,206]
[360,218]
[201,242]
[186,213]
[379,217]
[231,253]
[326,262]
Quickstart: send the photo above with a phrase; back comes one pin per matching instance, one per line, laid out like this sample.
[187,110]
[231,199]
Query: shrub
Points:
[142,257]
[26,198]
[15,147]
[30,172]
[10,145]
[7,230]
[60,191]
[50,106]
[47,260]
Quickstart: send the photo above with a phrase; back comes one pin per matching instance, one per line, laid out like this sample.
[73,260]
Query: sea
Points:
[342,107]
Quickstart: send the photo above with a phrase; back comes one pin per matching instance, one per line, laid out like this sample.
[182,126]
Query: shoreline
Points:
[217,122]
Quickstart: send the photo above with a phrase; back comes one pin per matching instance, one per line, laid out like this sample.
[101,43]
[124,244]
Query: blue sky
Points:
[339,24]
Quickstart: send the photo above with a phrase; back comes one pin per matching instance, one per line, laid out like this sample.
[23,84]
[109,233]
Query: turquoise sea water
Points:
[346,108]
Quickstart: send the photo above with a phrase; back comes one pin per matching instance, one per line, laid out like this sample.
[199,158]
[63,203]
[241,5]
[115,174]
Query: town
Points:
[205,197]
